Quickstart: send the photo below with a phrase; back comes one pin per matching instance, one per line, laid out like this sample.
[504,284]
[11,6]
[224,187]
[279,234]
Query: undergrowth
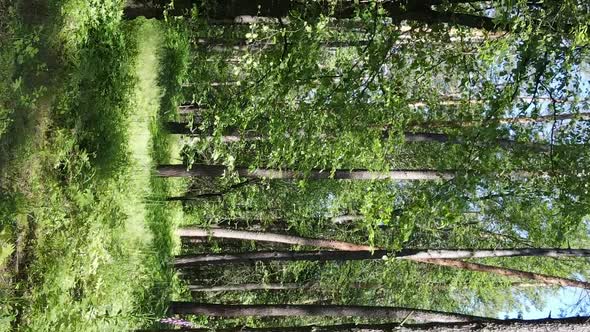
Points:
[73,185]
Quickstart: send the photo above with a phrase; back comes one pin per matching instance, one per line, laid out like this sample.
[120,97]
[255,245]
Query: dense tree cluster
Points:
[384,128]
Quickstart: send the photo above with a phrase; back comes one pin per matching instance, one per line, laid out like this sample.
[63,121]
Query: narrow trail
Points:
[145,106]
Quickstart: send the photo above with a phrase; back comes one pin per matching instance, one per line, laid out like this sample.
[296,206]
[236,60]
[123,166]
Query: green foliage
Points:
[84,253]
[300,102]
[305,93]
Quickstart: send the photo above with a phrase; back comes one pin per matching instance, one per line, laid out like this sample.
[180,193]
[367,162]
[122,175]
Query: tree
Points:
[411,254]
[399,11]
[314,310]
[448,258]
[270,237]
[184,128]
[217,171]
[580,324]
[317,112]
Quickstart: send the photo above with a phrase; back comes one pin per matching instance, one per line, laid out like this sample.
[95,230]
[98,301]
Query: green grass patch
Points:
[91,247]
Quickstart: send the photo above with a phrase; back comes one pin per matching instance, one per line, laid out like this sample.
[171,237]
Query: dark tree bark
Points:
[578,324]
[400,10]
[287,310]
[180,128]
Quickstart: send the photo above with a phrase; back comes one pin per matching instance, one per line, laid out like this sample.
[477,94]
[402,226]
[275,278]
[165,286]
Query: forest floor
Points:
[84,239]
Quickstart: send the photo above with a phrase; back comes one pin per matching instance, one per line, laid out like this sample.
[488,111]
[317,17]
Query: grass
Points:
[91,246]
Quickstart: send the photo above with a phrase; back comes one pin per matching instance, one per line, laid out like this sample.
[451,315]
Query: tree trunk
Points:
[443,138]
[200,170]
[542,278]
[240,43]
[270,237]
[245,287]
[398,11]
[307,286]
[288,310]
[339,220]
[180,128]
[448,258]
[190,109]
[578,324]
[428,256]
[583,116]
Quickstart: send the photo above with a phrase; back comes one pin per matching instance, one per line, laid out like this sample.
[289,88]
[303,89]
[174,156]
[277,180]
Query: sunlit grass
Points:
[92,252]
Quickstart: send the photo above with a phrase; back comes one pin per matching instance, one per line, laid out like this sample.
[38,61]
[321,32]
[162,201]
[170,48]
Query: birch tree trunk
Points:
[292,310]
[448,258]
[200,170]
[583,116]
[428,256]
[245,287]
[542,278]
[270,237]
[183,128]
[578,324]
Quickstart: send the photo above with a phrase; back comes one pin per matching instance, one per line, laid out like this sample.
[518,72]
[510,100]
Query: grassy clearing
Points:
[90,248]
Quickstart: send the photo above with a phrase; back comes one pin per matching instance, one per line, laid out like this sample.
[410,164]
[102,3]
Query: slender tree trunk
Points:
[270,237]
[398,11]
[245,287]
[443,138]
[288,310]
[180,128]
[428,256]
[448,258]
[542,278]
[583,116]
[200,170]
[246,44]
[346,219]
[578,324]
[190,109]
[456,99]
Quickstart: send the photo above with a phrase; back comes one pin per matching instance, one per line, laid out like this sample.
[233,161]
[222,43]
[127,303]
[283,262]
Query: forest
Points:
[294,165]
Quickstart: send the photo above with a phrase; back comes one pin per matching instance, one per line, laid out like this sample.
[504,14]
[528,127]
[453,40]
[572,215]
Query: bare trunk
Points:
[287,310]
[200,170]
[542,278]
[270,237]
[398,11]
[578,324]
[250,257]
[443,138]
[245,287]
[190,109]
[584,116]
[180,128]
[438,257]
[224,44]
[448,258]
